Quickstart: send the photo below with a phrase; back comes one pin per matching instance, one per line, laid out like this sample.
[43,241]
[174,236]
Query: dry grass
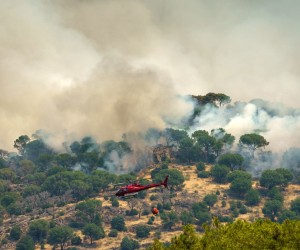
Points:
[194,190]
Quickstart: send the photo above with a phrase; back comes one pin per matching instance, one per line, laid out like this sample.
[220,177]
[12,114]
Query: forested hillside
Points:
[65,198]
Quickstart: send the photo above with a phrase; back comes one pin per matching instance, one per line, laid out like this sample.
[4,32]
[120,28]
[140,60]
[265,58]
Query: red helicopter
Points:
[133,189]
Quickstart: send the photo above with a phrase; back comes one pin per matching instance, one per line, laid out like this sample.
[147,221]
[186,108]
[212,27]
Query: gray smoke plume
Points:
[102,68]
[277,123]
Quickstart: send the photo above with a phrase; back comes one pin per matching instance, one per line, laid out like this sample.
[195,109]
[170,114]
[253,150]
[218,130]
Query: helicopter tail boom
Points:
[165,183]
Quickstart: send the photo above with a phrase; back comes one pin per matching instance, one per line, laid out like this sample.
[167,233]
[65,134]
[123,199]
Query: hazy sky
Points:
[104,67]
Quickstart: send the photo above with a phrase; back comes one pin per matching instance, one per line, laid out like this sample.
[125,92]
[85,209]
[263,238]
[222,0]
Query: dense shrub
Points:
[203,174]
[142,231]
[131,212]
[261,234]
[129,244]
[118,223]
[113,233]
[200,166]
[252,197]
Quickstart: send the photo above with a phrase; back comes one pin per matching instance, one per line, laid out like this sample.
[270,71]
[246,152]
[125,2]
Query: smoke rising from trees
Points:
[102,68]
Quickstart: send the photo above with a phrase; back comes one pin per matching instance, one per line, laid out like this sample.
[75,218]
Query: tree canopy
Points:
[253,141]
[60,235]
[261,234]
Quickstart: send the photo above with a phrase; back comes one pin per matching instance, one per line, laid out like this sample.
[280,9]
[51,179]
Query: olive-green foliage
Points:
[275,194]
[131,212]
[153,197]
[25,243]
[15,233]
[243,210]
[7,174]
[100,180]
[80,189]
[210,199]
[129,244]
[114,201]
[261,234]
[186,218]
[206,144]
[203,174]
[3,162]
[240,186]
[142,231]
[252,197]
[21,142]
[287,215]
[176,178]
[187,240]
[187,151]
[253,141]
[219,173]
[286,174]
[278,177]
[76,240]
[174,136]
[113,233]
[31,190]
[201,212]
[238,174]
[257,235]
[25,167]
[200,166]
[60,235]
[223,203]
[214,99]
[35,149]
[169,219]
[88,209]
[3,187]
[9,198]
[272,208]
[38,230]
[93,231]
[151,220]
[233,161]
[295,206]
[118,223]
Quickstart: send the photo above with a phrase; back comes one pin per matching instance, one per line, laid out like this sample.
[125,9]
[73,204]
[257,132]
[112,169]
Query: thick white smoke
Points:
[102,68]
[278,124]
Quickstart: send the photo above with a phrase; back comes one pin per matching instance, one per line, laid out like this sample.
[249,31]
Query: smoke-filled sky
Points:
[105,67]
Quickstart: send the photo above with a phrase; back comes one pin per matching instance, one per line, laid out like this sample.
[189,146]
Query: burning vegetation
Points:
[46,192]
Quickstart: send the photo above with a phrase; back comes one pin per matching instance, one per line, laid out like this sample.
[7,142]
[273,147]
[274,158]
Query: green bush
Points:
[76,240]
[129,244]
[145,212]
[142,231]
[113,233]
[252,197]
[225,219]
[153,197]
[243,210]
[200,166]
[115,202]
[167,206]
[223,203]
[118,223]
[151,220]
[131,212]
[261,234]
[219,173]
[15,233]
[203,174]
